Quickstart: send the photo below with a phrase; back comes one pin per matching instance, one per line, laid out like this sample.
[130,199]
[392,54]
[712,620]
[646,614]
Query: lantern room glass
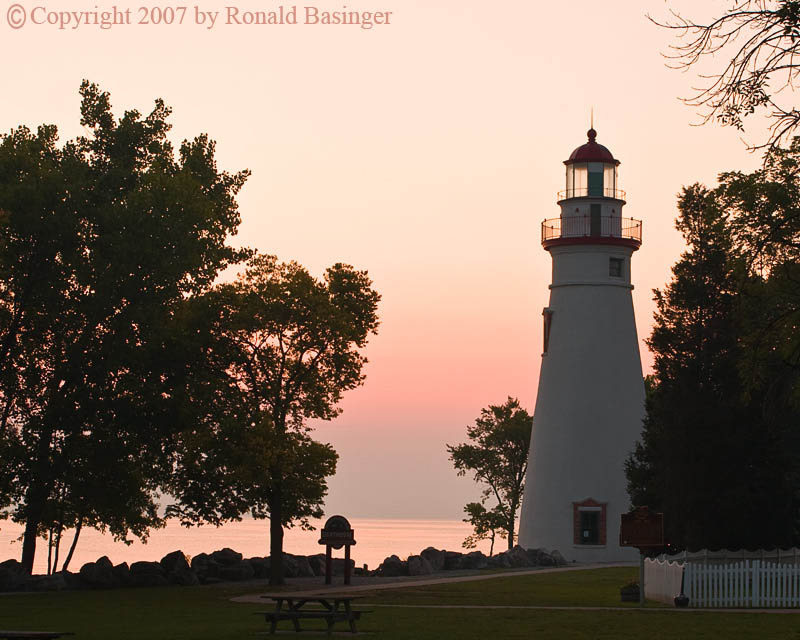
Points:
[610,180]
[593,179]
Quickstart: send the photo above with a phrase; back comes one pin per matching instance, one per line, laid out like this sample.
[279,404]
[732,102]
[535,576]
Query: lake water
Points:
[375,539]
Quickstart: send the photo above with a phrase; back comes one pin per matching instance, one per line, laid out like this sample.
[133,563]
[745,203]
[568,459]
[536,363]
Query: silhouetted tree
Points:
[101,241]
[486,524]
[718,453]
[283,348]
[764,212]
[497,456]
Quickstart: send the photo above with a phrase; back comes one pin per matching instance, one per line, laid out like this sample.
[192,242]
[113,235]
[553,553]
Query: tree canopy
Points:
[102,240]
[497,457]
[282,348]
[487,524]
[720,448]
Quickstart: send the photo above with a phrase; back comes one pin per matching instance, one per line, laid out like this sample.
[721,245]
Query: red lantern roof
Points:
[591,152]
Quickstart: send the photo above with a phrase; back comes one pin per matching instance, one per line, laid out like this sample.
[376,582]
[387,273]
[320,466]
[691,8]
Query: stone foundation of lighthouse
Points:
[590,402]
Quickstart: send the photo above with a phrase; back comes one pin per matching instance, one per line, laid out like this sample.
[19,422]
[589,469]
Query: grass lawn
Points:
[593,588]
[206,612]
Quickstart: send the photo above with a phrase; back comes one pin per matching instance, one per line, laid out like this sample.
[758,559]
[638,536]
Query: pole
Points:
[641,577]
[328,564]
[347,564]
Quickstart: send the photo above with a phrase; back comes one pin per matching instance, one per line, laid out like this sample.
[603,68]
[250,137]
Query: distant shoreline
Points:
[376,539]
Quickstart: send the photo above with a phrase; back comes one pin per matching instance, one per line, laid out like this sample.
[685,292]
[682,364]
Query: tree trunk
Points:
[73,545]
[491,546]
[29,544]
[6,412]
[511,531]
[50,553]
[57,549]
[275,546]
[35,498]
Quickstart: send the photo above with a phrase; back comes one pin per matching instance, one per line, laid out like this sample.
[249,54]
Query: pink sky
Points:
[427,151]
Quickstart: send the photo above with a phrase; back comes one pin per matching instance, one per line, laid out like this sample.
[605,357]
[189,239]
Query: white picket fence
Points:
[749,583]
[662,580]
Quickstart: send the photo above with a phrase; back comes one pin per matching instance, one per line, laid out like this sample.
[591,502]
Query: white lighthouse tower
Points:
[590,404]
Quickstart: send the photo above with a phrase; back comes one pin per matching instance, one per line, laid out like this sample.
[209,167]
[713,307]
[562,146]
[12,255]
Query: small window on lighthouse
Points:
[615,267]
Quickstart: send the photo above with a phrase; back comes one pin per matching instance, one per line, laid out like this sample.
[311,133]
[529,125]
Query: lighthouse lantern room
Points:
[590,402]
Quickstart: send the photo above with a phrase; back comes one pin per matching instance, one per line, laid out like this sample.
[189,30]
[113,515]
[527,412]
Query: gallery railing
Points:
[592,226]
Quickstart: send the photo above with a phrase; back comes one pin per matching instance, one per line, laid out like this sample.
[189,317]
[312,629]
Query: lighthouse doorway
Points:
[590,527]
[595,220]
[589,522]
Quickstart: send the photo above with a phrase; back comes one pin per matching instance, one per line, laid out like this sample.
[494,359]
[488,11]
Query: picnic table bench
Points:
[335,608]
[41,635]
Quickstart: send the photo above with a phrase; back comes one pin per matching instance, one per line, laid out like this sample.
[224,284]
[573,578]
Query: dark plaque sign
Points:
[337,532]
[641,528]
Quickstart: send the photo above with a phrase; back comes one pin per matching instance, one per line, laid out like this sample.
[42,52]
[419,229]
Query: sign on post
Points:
[641,528]
[337,533]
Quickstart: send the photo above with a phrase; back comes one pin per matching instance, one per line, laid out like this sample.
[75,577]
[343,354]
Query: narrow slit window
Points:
[548,319]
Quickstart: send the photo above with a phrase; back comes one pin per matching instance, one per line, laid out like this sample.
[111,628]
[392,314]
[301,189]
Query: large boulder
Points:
[474,560]
[13,576]
[518,557]
[302,567]
[206,569]
[184,577]
[98,574]
[148,574]
[317,565]
[540,558]
[175,561]
[419,566]
[260,567]
[392,567]
[558,559]
[122,575]
[293,566]
[500,561]
[339,564]
[237,572]
[452,560]
[55,582]
[435,557]
[73,581]
[290,568]
[226,557]
[178,571]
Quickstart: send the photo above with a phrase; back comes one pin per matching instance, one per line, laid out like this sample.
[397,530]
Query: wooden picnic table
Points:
[41,635]
[335,608]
